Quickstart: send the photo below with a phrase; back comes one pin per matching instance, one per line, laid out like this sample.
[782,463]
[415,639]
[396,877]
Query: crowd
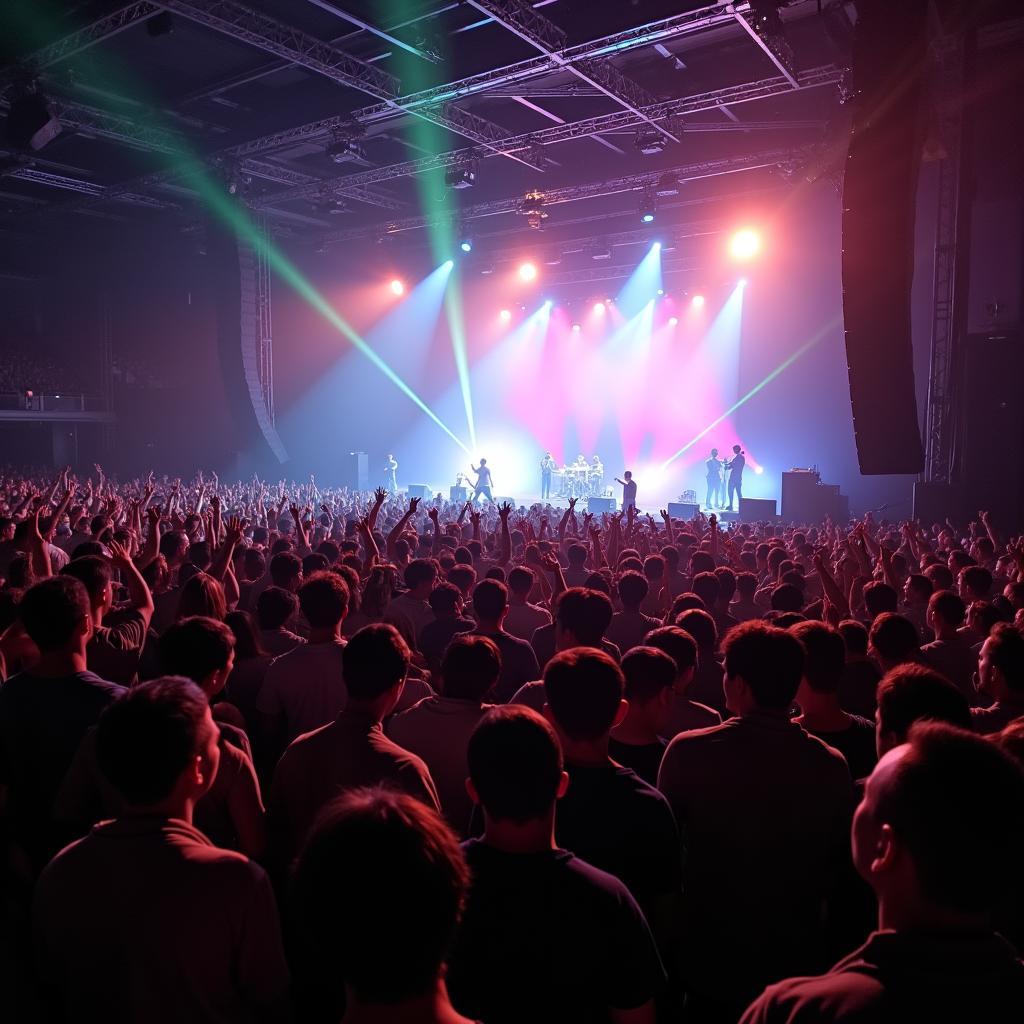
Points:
[277,752]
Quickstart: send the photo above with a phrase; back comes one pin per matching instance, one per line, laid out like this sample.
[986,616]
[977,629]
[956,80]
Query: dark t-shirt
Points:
[547,937]
[857,688]
[614,820]
[518,665]
[435,637]
[643,758]
[42,722]
[856,743]
[543,644]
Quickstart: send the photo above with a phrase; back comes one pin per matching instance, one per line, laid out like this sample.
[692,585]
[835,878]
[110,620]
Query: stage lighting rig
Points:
[600,251]
[650,143]
[345,148]
[648,207]
[463,176]
[532,208]
[31,121]
[668,185]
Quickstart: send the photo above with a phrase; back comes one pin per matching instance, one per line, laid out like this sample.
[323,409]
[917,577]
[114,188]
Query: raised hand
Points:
[434,515]
[664,514]
[153,516]
[234,532]
[572,504]
[414,503]
[119,556]
[548,562]
[474,518]
[504,510]
[380,496]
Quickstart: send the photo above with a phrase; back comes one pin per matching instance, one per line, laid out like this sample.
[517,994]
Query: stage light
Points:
[759,470]
[648,206]
[647,217]
[744,244]
[697,301]
[742,282]
[599,308]
[397,287]
[505,315]
[577,328]
[661,291]
[673,320]
[527,272]
[466,245]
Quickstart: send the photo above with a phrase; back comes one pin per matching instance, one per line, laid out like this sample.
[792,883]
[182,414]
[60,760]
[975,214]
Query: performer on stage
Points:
[391,474]
[628,490]
[547,467]
[714,480]
[596,476]
[483,481]
[735,466]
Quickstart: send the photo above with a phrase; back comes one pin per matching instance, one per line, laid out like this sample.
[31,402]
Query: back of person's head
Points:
[470,667]
[375,660]
[199,554]
[147,739]
[598,580]
[444,598]
[768,659]
[584,690]
[677,644]
[577,555]
[630,563]
[515,764]
[463,576]
[585,613]
[648,672]
[705,586]
[633,588]
[274,607]
[894,638]
[285,569]
[54,612]
[254,562]
[419,572]
[202,595]
[377,894]
[94,574]
[726,583]
[654,568]
[746,585]
[920,586]
[520,581]
[173,545]
[787,597]
[701,561]
[1004,650]
[247,641]
[701,626]
[490,600]
[939,574]
[955,802]
[196,647]
[977,579]
[948,607]
[879,597]
[315,562]
[324,599]
[824,655]
[855,637]
[912,693]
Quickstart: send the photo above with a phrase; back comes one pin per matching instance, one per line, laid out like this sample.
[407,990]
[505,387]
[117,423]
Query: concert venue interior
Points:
[511,511]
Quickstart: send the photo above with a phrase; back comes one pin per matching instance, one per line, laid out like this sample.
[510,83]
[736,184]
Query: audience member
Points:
[449,621]
[950,652]
[629,626]
[912,693]
[682,649]
[518,662]
[860,673]
[1000,678]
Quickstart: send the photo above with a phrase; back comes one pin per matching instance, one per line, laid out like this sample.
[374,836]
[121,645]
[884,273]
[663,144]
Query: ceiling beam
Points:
[775,47]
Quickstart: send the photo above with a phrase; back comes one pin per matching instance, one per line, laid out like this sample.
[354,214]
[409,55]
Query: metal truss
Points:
[775,47]
[606,272]
[117,128]
[520,18]
[89,188]
[589,190]
[615,121]
[70,45]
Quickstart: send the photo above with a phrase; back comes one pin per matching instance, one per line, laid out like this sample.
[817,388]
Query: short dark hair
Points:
[978,578]
[583,687]
[195,647]
[746,584]
[419,570]
[676,643]
[274,607]
[520,580]
[879,597]
[465,573]
[576,555]
[146,738]
[787,598]
[470,666]
[285,567]
[52,609]
[93,572]
[768,659]
[444,598]
[1006,652]
[647,672]
[824,655]
[515,762]
[633,588]
[378,893]
[586,613]
[948,606]
[706,587]
[701,626]
[855,636]
[374,660]
[920,584]
[255,563]
[910,693]
[957,801]
[894,637]
[324,598]
[490,599]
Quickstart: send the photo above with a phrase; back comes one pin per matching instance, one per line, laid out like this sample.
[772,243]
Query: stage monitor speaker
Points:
[879,189]
[458,494]
[756,510]
[682,509]
[357,471]
[417,491]
[596,505]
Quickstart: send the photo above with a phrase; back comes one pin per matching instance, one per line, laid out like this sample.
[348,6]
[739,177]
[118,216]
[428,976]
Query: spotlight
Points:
[648,207]
[577,328]
[759,470]
[673,320]
[744,244]
[397,287]
[742,282]
[651,143]
[505,315]
[697,301]
[345,150]
[527,272]
[661,291]
[599,309]
[460,177]
[466,245]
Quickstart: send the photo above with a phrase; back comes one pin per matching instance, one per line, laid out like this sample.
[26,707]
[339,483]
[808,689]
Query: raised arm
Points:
[152,548]
[832,591]
[435,540]
[370,550]
[506,537]
[397,529]
[138,591]
[668,525]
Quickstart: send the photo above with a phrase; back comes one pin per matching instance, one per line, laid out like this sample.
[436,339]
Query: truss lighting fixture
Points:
[346,151]
[397,286]
[505,315]
[668,185]
[697,301]
[601,251]
[745,244]
[651,143]
[466,245]
[648,207]
[673,320]
[460,177]
[532,208]
[527,272]
[599,308]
